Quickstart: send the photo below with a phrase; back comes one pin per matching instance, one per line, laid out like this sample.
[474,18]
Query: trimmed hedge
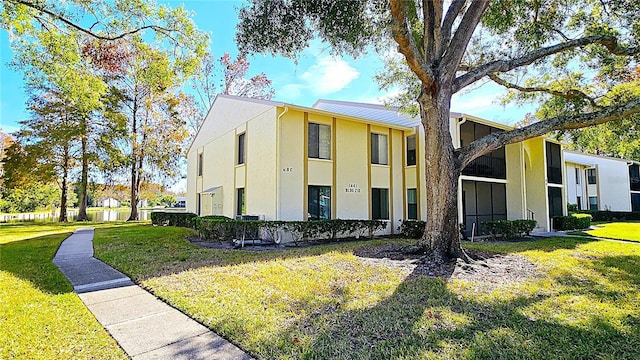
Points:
[173,218]
[412,229]
[509,229]
[225,229]
[572,222]
[611,215]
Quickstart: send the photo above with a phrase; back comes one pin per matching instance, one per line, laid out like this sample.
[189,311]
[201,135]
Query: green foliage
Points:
[611,215]
[412,229]
[221,228]
[572,222]
[31,197]
[509,229]
[172,218]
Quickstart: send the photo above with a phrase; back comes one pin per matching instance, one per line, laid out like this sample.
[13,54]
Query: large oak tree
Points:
[452,45]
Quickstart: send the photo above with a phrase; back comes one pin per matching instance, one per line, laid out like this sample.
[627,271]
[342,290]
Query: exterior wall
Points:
[612,186]
[577,188]
[516,197]
[217,142]
[536,182]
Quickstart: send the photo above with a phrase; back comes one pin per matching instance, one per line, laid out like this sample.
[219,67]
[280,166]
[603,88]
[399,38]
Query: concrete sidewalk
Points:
[145,327]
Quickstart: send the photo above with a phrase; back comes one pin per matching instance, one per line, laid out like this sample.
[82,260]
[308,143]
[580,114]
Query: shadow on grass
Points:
[30,260]
[424,319]
[534,243]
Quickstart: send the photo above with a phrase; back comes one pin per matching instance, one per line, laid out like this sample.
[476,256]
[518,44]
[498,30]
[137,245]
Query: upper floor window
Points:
[411,150]
[591,176]
[492,165]
[379,149]
[554,163]
[577,175]
[319,141]
[200,164]
[634,177]
[241,148]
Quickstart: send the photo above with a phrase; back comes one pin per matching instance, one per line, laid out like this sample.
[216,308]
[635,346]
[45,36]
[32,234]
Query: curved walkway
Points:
[145,327]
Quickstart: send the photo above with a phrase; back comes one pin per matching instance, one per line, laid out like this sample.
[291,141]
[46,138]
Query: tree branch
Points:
[458,45]
[569,95]
[89,32]
[608,41]
[447,25]
[495,141]
[406,45]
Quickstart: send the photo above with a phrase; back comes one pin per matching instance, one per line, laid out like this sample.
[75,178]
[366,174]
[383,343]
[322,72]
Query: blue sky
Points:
[316,74]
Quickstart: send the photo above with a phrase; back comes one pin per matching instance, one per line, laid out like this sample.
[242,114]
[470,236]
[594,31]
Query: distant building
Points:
[349,160]
[181,201]
[108,203]
[602,183]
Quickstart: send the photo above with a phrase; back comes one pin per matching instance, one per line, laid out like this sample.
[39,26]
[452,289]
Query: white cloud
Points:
[329,75]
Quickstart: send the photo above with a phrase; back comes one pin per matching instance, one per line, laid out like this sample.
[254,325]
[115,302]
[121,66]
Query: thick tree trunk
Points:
[441,239]
[82,206]
[63,196]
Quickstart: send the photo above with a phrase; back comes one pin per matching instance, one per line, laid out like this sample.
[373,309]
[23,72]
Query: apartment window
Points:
[240,207]
[593,203]
[554,163]
[379,153]
[198,203]
[319,203]
[591,176]
[319,141]
[635,202]
[482,202]
[380,204]
[241,148]
[492,165]
[411,150]
[579,202]
[634,177]
[577,176]
[199,164]
[412,204]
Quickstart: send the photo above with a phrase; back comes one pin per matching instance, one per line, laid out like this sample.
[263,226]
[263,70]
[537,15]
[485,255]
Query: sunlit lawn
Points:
[629,230]
[322,302]
[40,315]
[16,231]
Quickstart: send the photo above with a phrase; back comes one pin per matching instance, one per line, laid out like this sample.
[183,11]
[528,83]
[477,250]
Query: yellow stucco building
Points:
[356,161]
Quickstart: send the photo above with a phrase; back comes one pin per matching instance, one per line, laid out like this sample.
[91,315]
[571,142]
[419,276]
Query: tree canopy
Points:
[549,49]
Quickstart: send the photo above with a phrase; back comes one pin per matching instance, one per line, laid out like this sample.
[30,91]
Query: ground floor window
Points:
[240,208]
[380,204]
[198,203]
[635,202]
[593,203]
[412,204]
[579,202]
[482,202]
[319,203]
[555,201]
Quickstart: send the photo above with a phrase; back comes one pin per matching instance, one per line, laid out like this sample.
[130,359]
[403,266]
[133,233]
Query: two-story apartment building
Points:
[356,161]
[602,183]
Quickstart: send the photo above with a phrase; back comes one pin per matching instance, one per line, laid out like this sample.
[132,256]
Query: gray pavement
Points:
[144,326]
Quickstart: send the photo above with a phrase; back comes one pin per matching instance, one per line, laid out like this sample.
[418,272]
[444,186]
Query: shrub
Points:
[172,218]
[224,229]
[412,229]
[508,229]
[607,215]
[571,222]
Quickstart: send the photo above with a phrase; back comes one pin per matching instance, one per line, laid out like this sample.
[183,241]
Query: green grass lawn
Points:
[322,302]
[40,315]
[629,230]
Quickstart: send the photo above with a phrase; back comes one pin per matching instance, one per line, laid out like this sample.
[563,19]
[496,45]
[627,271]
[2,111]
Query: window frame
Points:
[318,189]
[240,202]
[593,205]
[412,207]
[314,148]
[411,160]
[241,148]
[200,163]
[592,179]
[382,212]
[376,151]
